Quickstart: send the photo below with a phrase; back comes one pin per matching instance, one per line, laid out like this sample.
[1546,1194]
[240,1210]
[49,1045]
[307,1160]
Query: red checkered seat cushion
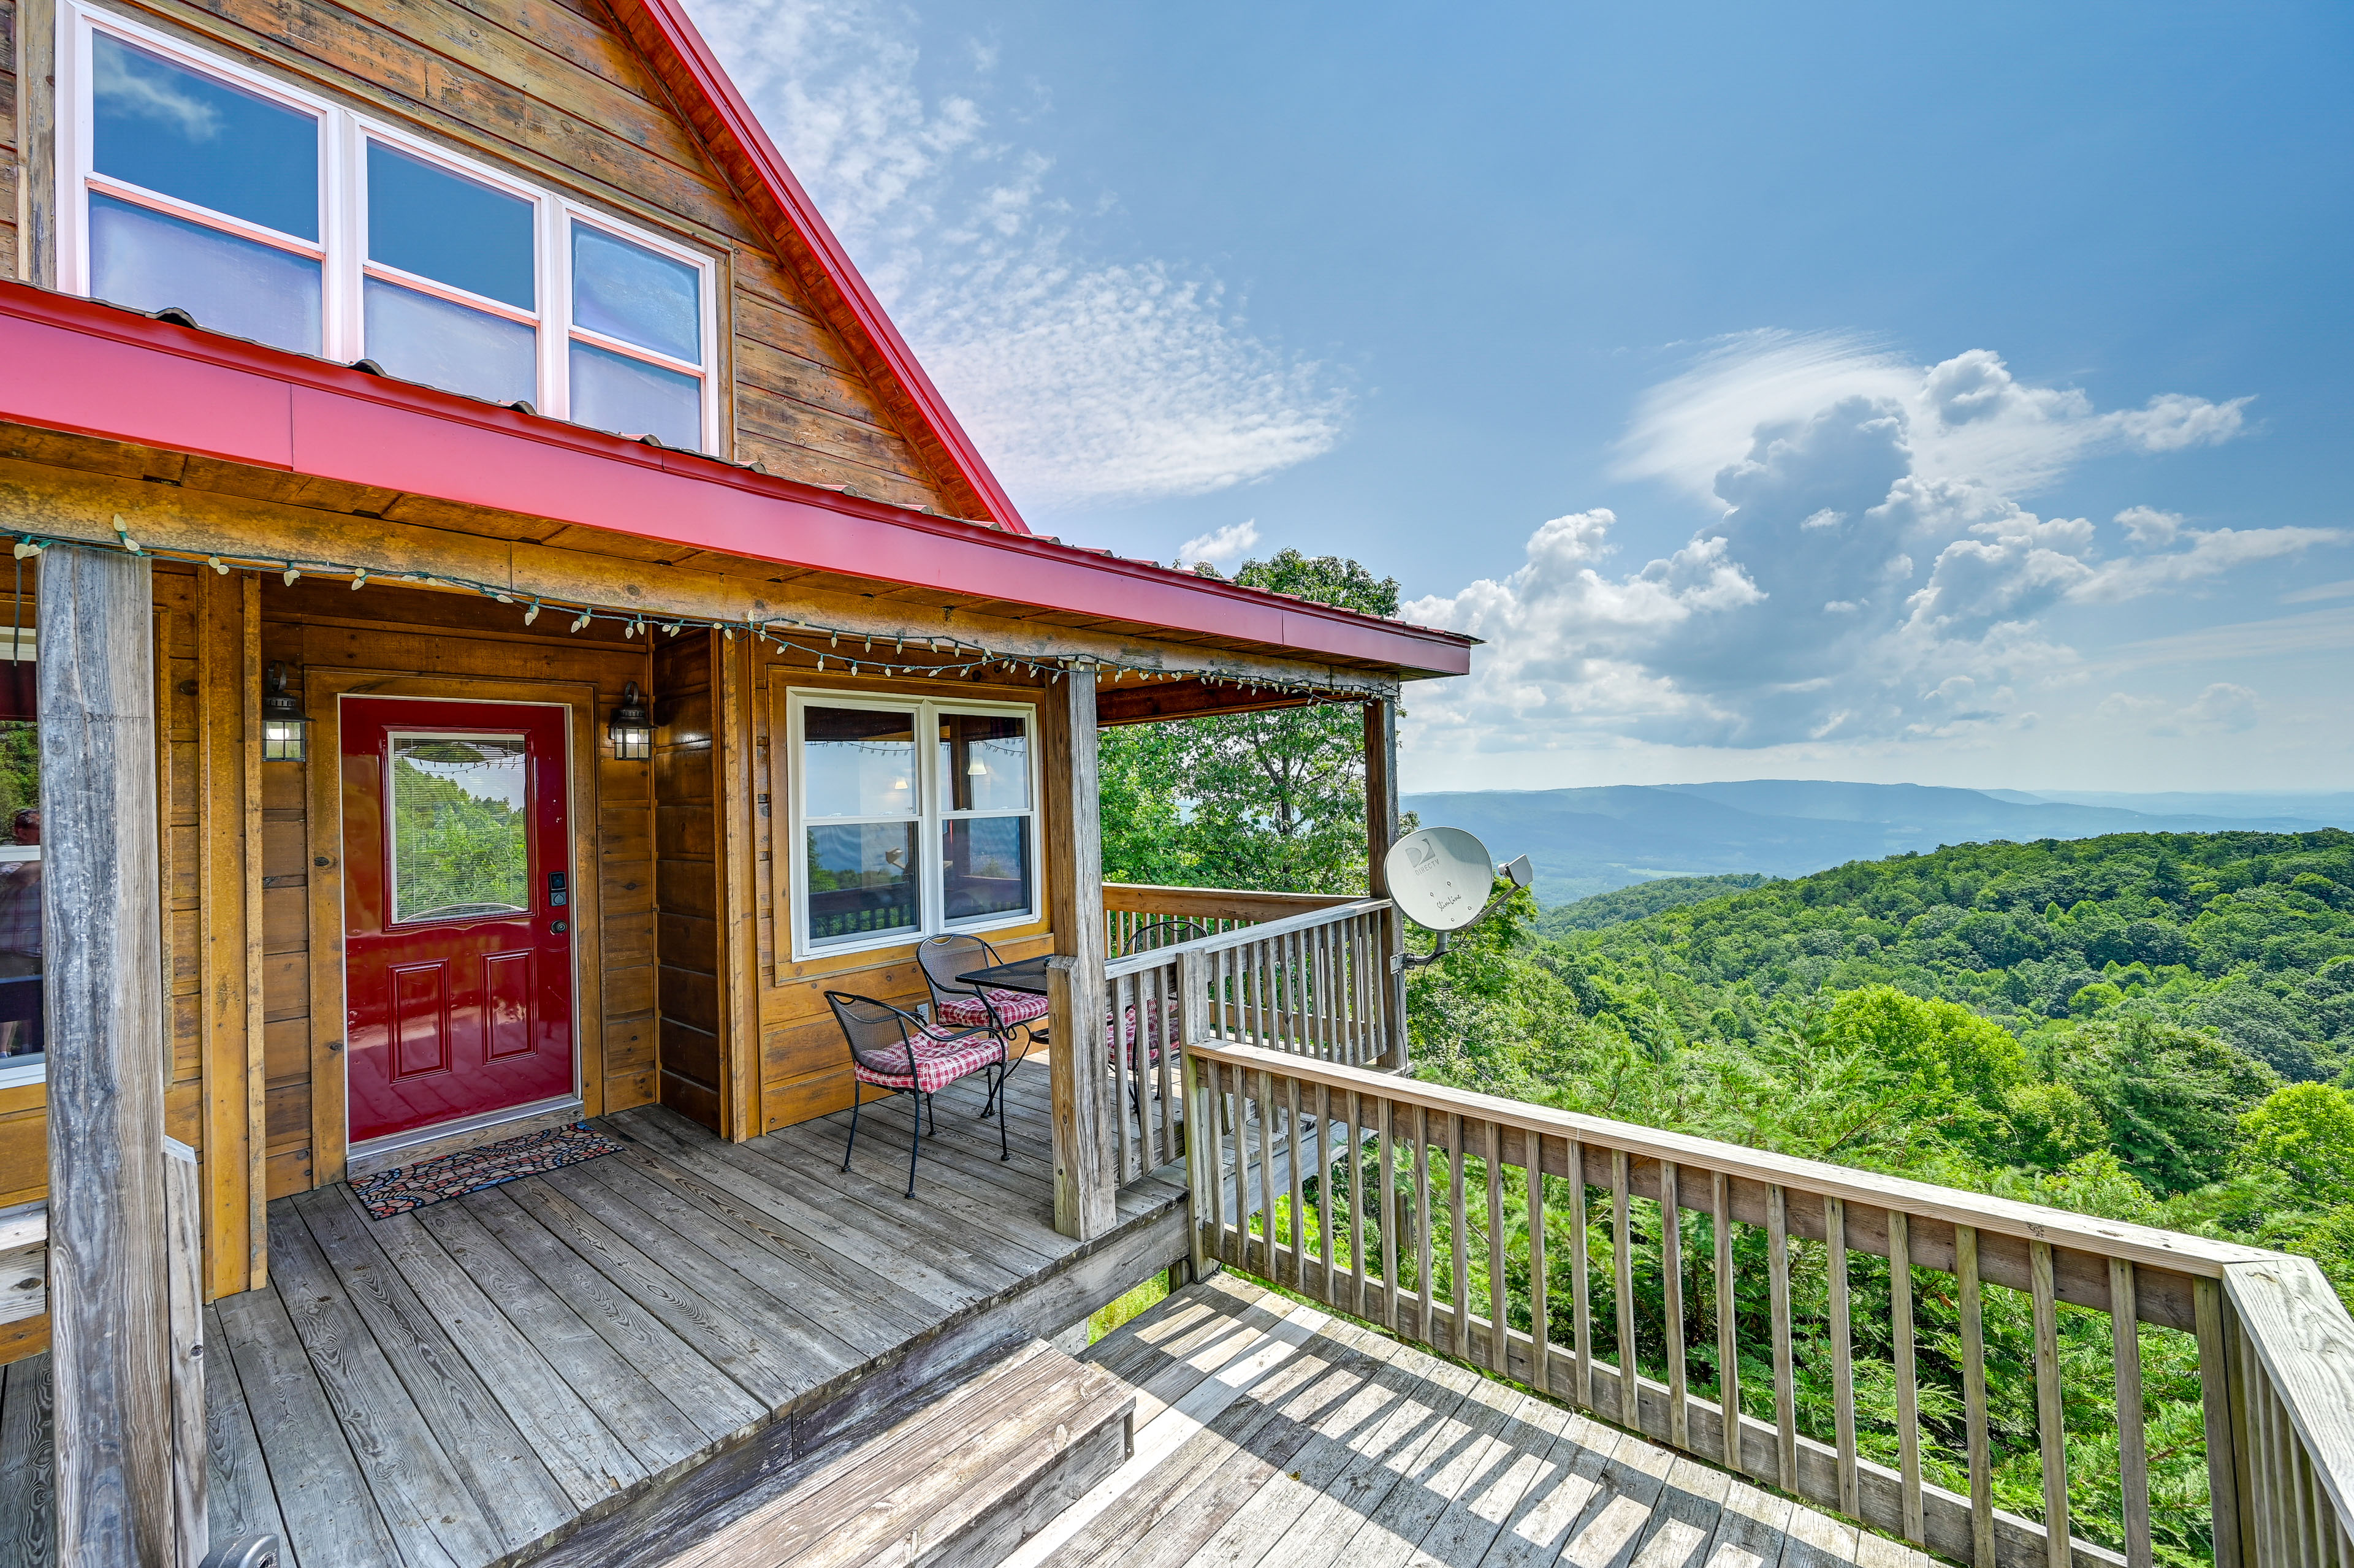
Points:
[1013,1007]
[939,1061]
[1124,1027]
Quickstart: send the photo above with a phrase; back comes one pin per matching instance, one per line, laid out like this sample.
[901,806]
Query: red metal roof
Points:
[76,366]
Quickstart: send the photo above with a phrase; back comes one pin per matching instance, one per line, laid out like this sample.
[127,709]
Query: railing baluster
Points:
[1128,1098]
[1622,1279]
[1423,1326]
[1728,1327]
[1459,1277]
[1540,1334]
[1842,1352]
[1498,1319]
[1387,1110]
[2050,1412]
[1671,1278]
[1581,1306]
[1324,1192]
[2133,1447]
[1974,1396]
[1908,1386]
[1296,1150]
[1778,1285]
[1357,1205]
[2215,1408]
[1267,1189]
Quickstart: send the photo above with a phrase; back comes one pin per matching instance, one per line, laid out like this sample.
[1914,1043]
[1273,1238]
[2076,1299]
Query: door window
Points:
[461,828]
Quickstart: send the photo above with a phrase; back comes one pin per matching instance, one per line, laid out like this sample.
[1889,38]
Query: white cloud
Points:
[1968,417]
[1221,547]
[2149,525]
[1084,380]
[1873,577]
[2223,708]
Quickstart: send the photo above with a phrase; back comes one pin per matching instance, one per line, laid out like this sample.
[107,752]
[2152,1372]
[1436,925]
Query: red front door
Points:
[456,910]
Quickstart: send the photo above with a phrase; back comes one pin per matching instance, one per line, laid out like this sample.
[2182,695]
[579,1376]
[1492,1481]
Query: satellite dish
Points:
[1440,877]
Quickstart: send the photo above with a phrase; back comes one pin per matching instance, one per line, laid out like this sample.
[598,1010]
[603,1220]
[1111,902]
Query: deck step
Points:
[961,1482]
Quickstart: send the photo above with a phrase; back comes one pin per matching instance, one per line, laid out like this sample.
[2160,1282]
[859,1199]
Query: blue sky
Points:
[1950,394]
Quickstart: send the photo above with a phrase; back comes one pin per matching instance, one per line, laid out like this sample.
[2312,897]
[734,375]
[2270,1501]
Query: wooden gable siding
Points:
[9,174]
[558,93]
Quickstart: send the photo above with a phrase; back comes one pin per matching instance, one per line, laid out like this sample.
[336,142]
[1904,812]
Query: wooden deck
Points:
[1270,1434]
[474,1382]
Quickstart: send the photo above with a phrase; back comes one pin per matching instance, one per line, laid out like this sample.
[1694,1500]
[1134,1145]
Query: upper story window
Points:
[911,818]
[269,214]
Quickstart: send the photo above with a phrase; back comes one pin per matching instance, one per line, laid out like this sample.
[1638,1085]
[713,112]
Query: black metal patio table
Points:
[1026,975]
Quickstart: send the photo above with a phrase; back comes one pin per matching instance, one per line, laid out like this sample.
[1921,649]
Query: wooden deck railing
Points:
[1456,1174]
[1131,907]
[1312,981]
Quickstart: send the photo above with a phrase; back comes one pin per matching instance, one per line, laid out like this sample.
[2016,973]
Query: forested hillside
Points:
[1621,904]
[2148,1027]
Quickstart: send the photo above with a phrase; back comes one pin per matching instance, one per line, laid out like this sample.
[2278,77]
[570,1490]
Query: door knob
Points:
[556,926]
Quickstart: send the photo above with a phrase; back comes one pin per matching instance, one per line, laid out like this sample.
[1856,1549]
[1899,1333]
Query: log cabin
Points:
[502,626]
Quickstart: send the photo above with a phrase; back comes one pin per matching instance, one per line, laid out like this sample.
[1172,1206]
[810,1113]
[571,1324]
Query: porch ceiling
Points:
[95,387]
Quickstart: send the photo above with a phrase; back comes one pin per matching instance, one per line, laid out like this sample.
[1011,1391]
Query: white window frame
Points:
[931,815]
[342,246]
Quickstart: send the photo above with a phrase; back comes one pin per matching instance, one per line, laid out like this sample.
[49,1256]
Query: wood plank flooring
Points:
[1269,1434]
[459,1385]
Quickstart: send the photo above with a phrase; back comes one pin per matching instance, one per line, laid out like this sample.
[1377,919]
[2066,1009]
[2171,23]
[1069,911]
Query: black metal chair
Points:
[897,1051]
[1164,934]
[960,1006]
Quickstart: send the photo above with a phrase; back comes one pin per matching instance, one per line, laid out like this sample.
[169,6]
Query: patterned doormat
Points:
[396,1191]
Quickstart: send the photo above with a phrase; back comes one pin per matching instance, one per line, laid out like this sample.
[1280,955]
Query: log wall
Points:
[804,1069]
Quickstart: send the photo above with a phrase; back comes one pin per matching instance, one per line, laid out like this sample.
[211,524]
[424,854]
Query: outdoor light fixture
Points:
[632,729]
[283,725]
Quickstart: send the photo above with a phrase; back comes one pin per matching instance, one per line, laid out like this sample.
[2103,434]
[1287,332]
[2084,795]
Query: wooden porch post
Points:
[108,1058]
[1381,832]
[1084,1180]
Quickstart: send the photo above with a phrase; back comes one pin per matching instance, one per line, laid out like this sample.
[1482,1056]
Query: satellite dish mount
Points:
[1442,879]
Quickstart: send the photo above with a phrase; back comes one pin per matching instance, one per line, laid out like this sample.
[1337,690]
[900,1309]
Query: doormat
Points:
[407,1187]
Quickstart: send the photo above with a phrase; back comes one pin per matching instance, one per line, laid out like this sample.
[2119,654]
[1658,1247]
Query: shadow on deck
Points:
[1271,1433]
[639,1338]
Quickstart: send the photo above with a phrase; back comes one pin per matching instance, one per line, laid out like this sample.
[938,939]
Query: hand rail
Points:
[1311,983]
[1243,935]
[1278,1196]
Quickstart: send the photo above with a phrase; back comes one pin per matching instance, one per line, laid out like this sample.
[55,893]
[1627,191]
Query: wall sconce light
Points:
[284,727]
[632,729]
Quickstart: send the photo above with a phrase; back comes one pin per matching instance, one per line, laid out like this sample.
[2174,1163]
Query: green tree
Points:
[2305,1131]
[1268,801]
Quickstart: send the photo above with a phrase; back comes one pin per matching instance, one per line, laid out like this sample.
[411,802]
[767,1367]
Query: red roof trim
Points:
[672,28]
[92,369]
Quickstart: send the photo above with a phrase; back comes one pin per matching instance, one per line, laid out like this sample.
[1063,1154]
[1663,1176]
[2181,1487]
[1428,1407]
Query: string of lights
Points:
[951,657]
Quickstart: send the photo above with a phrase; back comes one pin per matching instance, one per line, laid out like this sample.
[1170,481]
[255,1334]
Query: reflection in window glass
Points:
[21,1043]
[423,218]
[614,392]
[147,262]
[861,881]
[627,291]
[986,866]
[420,338]
[165,127]
[459,839]
[857,762]
[984,762]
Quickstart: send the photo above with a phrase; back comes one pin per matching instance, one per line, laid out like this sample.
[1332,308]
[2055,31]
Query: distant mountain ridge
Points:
[1589,840]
